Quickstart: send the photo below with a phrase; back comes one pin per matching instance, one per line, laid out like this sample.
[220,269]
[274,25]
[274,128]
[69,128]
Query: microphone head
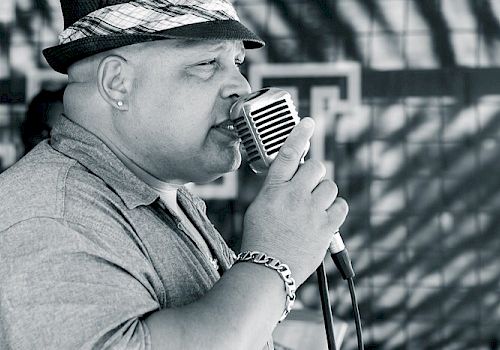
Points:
[263,120]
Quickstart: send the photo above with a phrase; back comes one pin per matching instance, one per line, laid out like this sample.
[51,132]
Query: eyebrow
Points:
[211,47]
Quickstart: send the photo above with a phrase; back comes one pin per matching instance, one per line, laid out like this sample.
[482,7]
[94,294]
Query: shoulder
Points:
[34,186]
[48,184]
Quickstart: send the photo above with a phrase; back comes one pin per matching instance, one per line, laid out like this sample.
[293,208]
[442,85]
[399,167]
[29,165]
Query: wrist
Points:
[282,270]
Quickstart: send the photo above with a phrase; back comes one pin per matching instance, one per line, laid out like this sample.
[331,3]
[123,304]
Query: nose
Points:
[235,86]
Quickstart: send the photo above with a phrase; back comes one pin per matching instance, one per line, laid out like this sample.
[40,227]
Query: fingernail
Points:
[308,123]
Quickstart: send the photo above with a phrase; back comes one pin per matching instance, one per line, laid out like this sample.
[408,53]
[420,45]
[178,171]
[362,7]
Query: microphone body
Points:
[263,120]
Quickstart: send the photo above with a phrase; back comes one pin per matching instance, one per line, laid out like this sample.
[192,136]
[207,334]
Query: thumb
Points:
[289,157]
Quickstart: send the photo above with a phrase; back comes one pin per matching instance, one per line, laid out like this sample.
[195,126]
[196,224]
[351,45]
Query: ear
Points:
[113,82]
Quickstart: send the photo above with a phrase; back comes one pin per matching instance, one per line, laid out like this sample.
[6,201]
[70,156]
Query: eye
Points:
[208,63]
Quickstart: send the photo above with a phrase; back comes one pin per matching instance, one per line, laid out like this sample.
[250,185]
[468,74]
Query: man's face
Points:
[176,127]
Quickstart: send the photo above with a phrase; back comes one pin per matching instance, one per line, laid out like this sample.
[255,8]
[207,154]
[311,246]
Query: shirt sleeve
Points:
[61,289]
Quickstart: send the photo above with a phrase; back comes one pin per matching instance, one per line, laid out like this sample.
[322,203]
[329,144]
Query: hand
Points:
[297,211]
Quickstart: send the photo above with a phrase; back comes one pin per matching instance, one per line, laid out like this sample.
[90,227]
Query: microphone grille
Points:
[263,120]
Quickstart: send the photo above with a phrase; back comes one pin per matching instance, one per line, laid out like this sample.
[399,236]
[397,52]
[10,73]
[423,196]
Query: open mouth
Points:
[227,128]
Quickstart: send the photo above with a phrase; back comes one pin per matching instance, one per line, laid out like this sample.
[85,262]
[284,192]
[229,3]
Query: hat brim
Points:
[60,57]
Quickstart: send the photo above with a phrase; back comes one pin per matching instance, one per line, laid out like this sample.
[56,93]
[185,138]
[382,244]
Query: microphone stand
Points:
[325,306]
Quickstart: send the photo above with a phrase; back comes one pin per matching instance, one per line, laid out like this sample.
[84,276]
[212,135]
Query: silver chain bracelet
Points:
[282,269]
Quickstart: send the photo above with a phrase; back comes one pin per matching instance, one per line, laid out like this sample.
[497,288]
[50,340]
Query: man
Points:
[109,250]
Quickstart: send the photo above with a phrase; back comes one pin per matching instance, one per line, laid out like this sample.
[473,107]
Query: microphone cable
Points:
[325,306]
[357,317]
[341,259]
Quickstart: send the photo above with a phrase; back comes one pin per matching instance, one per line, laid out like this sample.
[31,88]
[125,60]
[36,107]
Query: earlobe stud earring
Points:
[119,103]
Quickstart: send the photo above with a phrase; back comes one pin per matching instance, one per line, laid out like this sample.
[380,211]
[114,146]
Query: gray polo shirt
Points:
[87,250]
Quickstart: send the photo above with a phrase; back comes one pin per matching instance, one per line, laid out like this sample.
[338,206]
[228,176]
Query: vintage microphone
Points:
[263,120]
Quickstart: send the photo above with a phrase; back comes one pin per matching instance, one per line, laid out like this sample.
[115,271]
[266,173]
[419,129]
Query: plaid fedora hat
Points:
[93,26]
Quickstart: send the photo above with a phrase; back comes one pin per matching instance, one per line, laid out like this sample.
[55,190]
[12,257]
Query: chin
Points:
[208,179]
[228,160]
[212,173]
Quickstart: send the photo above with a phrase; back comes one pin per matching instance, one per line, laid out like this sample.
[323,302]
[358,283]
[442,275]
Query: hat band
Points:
[147,16]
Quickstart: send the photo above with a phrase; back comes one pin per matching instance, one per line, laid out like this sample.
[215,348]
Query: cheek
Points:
[153,87]
[181,109]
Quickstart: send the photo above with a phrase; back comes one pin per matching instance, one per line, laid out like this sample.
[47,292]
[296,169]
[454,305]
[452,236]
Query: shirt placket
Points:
[195,240]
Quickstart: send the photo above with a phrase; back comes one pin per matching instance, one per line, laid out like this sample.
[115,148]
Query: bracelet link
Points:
[259,258]
[274,264]
[282,269]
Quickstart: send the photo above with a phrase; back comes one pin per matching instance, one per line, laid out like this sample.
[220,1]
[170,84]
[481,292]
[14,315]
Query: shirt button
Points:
[180,226]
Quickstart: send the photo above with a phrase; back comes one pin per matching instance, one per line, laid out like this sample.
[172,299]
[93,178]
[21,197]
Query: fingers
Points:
[308,146]
[325,194]
[288,159]
[309,175]
[337,213]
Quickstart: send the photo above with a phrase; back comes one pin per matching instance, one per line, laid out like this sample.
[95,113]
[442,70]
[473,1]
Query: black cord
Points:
[325,306]
[341,258]
[355,311]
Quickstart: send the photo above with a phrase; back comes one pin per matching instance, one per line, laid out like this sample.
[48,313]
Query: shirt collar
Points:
[80,144]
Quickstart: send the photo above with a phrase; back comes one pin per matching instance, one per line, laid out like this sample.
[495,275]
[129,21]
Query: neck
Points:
[142,174]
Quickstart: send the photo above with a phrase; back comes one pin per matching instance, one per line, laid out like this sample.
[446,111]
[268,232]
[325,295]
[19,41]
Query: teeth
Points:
[229,127]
